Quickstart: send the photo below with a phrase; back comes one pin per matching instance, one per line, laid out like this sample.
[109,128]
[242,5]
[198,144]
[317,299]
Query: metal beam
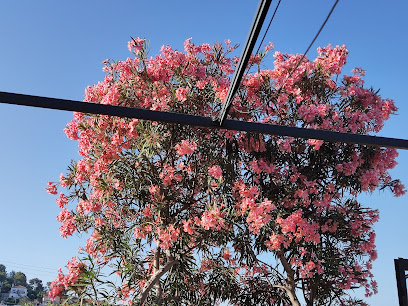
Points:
[199,121]
[401,265]
[259,18]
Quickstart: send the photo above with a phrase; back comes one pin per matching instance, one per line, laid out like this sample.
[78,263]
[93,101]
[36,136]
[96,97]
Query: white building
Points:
[18,292]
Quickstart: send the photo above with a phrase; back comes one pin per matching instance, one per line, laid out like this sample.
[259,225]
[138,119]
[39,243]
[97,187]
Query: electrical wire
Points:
[310,45]
[260,45]
[263,38]
[13,265]
[267,29]
[32,270]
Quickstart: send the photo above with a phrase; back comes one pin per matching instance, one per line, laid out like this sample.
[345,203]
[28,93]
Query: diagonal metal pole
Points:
[200,121]
[259,18]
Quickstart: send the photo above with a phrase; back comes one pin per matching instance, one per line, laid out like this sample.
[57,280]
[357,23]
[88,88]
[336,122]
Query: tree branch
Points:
[155,277]
[281,287]
[290,289]
[157,268]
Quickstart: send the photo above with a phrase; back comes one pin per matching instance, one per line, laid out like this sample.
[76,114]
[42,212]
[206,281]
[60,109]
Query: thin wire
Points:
[21,264]
[30,270]
[267,29]
[263,38]
[310,45]
[259,47]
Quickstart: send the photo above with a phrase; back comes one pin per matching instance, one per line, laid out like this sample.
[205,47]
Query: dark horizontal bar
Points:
[199,121]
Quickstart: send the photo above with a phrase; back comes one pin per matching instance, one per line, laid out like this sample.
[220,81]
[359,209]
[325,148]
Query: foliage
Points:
[188,215]
[3,273]
[35,288]
[20,279]
[11,301]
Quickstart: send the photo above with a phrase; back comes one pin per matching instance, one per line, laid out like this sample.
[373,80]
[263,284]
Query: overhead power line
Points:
[7,263]
[199,121]
[267,28]
[33,270]
[310,45]
[263,37]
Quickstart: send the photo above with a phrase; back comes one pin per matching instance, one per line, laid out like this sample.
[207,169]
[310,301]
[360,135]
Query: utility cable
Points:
[267,29]
[25,266]
[262,40]
[310,45]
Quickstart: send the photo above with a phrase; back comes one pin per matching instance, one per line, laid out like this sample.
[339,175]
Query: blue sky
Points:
[54,48]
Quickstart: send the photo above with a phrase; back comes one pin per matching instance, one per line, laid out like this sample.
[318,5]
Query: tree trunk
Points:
[291,285]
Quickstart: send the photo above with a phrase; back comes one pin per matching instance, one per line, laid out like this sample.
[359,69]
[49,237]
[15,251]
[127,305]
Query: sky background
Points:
[55,49]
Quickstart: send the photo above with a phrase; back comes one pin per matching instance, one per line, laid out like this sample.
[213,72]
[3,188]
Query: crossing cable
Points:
[200,121]
[262,40]
[266,32]
[308,48]
[260,15]
[267,29]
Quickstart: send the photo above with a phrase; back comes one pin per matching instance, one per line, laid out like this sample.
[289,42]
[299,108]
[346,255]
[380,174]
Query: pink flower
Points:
[56,287]
[185,148]
[315,143]
[68,226]
[259,215]
[398,189]
[52,188]
[63,181]
[62,200]
[72,130]
[212,219]
[275,241]
[227,254]
[269,47]
[167,237]
[215,172]
[187,226]
[139,233]
[181,93]
[154,190]
[201,84]
[136,45]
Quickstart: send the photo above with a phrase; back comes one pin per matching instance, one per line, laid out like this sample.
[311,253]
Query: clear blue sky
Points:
[54,48]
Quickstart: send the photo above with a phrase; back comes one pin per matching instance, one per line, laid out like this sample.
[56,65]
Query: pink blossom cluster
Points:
[63,282]
[68,224]
[52,188]
[136,45]
[181,94]
[213,219]
[294,228]
[259,215]
[185,148]
[215,172]
[168,236]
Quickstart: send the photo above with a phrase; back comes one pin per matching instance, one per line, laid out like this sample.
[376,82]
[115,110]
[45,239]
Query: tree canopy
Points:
[20,279]
[7,280]
[187,215]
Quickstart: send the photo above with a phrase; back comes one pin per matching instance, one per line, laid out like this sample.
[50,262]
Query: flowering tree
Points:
[187,215]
